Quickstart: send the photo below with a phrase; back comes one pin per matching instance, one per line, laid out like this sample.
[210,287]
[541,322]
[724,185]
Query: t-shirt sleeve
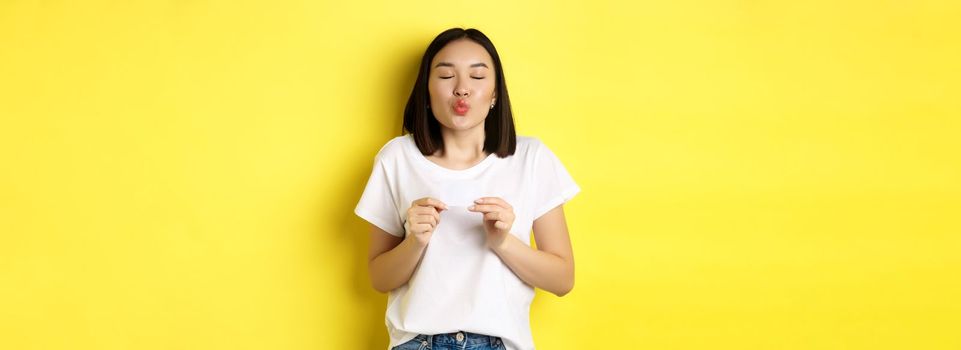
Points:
[377,204]
[554,185]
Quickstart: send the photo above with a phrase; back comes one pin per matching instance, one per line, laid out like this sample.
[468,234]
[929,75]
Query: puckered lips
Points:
[461,107]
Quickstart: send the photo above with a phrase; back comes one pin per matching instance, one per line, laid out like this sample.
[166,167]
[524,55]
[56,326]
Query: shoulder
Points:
[532,147]
[528,145]
[393,148]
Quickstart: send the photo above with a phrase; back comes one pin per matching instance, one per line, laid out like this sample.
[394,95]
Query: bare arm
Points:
[549,267]
[391,259]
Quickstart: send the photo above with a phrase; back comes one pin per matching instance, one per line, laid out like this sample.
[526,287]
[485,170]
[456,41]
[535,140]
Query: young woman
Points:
[451,205]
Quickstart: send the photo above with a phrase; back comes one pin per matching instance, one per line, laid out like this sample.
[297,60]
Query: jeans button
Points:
[460,336]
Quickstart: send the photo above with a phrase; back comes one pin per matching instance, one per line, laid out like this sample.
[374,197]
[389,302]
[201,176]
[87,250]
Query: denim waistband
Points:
[465,340]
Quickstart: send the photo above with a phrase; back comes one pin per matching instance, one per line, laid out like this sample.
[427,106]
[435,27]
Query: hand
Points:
[422,217]
[498,219]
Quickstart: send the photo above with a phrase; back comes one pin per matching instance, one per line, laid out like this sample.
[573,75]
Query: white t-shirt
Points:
[459,284]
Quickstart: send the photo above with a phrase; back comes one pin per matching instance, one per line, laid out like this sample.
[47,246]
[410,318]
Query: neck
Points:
[463,144]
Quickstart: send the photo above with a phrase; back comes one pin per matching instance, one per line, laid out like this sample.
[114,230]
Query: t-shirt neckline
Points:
[437,167]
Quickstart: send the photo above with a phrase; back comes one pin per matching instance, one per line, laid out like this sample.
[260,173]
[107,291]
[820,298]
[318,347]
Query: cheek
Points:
[436,90]
[488,88]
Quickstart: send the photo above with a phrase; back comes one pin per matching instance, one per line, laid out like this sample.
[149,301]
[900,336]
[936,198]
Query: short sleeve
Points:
[553,184]
[377,204]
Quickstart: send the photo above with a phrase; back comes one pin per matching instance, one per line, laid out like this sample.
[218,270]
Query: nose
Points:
[461,92]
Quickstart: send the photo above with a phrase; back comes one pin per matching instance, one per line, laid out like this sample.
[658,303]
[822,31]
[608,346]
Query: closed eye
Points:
[453,76]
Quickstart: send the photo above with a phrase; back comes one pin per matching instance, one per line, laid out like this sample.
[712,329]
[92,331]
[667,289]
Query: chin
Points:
[467,122]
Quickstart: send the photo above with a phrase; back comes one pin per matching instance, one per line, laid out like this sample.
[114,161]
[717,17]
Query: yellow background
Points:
[756,175]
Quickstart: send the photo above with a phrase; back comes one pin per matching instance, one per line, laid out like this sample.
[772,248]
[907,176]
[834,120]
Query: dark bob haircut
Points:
[419,120]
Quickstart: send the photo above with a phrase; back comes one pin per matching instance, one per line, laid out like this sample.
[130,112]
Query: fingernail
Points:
[470,208]
[478,201]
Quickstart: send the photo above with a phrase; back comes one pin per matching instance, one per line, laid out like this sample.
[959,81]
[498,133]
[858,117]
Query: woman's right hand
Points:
[422,218]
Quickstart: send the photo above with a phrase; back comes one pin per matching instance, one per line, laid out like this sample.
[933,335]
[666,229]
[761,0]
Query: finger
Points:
[431,202]
[427,219]
[418,210]
[492,216]
[501,225]
[485,208]
[422,228]
[494,200]
[423,219]
[426,211]
[421,210]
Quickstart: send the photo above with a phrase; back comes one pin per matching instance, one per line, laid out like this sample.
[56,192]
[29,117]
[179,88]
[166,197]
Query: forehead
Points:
[462,52]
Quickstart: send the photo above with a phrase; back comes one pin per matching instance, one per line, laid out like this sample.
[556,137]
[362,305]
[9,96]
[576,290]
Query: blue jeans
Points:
[453,341]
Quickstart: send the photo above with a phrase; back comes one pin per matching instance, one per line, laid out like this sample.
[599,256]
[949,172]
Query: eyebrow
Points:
[448,64]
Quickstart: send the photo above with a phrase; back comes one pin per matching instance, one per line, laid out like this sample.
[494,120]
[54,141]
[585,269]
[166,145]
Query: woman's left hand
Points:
[498,218]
